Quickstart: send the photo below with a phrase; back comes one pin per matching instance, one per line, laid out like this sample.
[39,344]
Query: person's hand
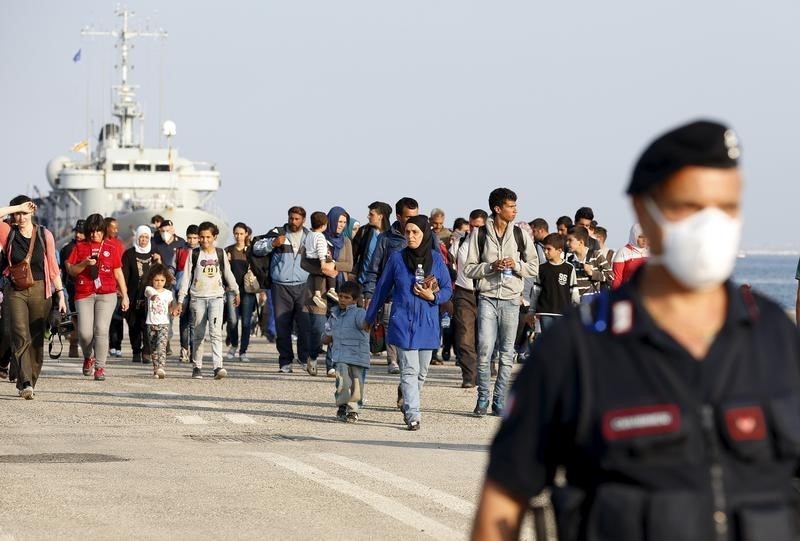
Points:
[366,305]
[332,272]
[125,304]
[176,311]
[279,240]
[498,265]
[508,263]
[28,207]
[588,269]
[423,292]
[366,326]
[327,340]
[155,257]
[62,305]
[90,261]
[236,300]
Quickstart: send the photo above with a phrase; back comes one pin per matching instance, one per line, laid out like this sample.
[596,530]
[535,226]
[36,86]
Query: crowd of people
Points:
[478,292]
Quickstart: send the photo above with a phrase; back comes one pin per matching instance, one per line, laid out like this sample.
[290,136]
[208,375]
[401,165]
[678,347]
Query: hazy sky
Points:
[338,102]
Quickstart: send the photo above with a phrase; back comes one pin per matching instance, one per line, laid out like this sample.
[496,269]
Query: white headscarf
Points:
[142,230]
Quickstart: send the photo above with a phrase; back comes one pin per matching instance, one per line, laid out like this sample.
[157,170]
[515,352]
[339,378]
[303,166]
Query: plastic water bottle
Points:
[419,274]
[446,320]
[328,327]
[507,271]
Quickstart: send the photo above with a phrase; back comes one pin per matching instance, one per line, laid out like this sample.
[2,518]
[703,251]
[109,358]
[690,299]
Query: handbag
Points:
[251,284]
[377,338]
[20,273]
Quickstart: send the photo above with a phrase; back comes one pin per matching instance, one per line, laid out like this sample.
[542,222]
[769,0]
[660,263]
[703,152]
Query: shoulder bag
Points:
[20,273]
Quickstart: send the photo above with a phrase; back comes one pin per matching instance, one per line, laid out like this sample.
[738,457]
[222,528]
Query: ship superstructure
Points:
[123,178]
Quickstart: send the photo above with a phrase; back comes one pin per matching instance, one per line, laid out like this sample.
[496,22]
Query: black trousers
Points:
[288,303]
[465,332]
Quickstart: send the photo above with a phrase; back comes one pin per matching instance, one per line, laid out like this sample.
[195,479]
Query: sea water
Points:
[772,275]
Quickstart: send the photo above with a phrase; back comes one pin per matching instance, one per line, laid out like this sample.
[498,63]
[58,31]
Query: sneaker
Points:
[136,358]
[413,425]
[73,351]
[352,417]
[197,373]
[117,353]
[400,400]
[220,373]
[99,374]
[481,407]
[286,369]
[341,413]
[437,361]
[331,294]
[394,368]
[318,300]
[467,384]
[184,355]
[231,353]
[311,367]
[160,373]
[331,373]
[146,358]
[169,351]
[112,352]
[87,366]
[497,409]
[26,392]
[445,354]
[3,374]
[243,358]
[271,338]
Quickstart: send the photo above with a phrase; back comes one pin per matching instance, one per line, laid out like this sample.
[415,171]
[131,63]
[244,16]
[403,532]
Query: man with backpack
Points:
[206,276]
[500,256]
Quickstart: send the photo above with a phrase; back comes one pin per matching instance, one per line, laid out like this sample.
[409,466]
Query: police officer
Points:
[672,405]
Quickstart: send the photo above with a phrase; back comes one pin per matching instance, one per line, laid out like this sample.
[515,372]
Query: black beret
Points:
[79,225]
[703,143]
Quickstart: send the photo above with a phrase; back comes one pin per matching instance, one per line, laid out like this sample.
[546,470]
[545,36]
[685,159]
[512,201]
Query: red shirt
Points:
[108,259]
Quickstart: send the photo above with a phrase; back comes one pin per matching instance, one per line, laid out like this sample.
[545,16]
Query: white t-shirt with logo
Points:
[158,305]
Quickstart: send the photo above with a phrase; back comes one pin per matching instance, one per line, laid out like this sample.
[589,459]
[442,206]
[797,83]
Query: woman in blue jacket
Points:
[414,321]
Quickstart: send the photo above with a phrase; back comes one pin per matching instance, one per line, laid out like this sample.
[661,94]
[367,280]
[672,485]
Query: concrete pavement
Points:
[258,455]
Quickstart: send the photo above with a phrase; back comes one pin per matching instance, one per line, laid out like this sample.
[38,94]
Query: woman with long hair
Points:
[97,267]
[237,257]
[28,305]
[418,280]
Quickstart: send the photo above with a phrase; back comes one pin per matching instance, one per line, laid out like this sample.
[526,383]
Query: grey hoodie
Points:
[491,283]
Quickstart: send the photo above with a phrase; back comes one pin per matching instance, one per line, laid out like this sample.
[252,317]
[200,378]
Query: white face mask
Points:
[166,236]
[699,251]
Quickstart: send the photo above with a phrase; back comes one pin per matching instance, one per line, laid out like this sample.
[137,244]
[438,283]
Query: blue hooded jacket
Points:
[413,322]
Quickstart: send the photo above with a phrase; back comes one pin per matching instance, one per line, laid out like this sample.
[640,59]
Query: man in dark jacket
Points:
[389,242]
[671,403]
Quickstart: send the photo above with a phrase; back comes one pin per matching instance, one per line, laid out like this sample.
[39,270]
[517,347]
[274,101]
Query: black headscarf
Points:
[423,254]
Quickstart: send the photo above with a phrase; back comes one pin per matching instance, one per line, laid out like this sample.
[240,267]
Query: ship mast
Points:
[126,108]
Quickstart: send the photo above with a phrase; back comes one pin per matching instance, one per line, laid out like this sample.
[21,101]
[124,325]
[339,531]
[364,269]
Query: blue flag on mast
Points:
[77,57]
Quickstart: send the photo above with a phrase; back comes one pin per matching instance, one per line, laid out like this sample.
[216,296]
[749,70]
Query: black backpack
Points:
[517,237]
[260,264]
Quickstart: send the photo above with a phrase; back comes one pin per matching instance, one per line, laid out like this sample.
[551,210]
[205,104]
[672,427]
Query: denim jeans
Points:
[243,312]
[497,323]
[413,371]
[207,312]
